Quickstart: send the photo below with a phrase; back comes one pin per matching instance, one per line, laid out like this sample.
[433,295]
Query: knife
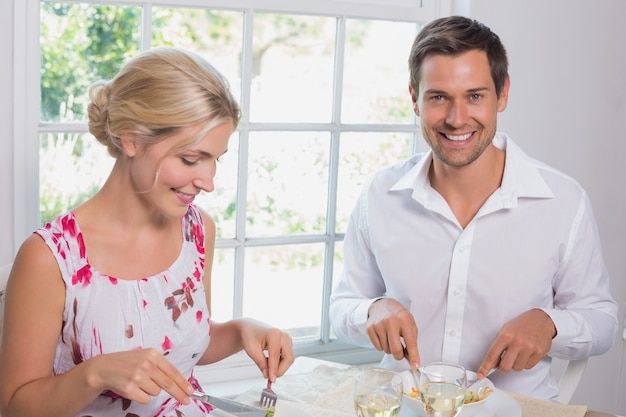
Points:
[229,407]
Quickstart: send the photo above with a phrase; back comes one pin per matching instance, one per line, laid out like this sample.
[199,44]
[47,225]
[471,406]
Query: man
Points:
[473,252]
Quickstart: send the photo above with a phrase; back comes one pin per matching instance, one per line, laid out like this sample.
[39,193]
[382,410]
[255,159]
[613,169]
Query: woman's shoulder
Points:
[35,262]
[34,251]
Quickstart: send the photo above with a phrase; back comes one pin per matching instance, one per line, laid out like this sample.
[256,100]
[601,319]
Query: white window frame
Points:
[27,126]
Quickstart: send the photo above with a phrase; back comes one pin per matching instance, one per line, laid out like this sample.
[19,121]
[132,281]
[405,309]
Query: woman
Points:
[107,307]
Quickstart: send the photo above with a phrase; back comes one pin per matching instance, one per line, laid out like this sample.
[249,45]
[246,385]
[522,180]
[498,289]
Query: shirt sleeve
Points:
[360,284]
[584,313]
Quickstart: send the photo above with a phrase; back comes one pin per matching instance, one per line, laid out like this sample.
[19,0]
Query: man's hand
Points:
[521,343]
[388,322]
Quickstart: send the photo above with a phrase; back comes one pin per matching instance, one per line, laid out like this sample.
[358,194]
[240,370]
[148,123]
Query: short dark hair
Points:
[455,35]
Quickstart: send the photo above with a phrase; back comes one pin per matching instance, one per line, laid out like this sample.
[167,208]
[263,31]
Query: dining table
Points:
[315,387]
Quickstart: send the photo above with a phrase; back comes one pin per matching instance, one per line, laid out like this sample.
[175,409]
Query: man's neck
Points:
[467,188]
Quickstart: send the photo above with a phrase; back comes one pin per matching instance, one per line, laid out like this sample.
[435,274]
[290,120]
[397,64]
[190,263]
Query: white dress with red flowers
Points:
[103,314]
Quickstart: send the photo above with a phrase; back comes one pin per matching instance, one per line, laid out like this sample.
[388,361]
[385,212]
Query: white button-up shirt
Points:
[533,244]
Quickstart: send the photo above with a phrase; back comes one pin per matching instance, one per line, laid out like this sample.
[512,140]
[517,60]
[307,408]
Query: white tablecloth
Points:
[324,389]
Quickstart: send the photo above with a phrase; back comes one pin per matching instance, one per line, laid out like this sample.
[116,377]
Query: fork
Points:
[268,397]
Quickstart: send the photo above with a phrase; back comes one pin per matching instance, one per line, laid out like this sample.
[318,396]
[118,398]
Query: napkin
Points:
[325,392]
[532,407]
[338,402]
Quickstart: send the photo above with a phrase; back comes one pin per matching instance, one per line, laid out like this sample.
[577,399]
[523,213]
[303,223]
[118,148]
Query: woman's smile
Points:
[184,197]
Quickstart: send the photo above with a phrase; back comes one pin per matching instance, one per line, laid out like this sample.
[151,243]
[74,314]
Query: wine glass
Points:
[377,393]
[442,388]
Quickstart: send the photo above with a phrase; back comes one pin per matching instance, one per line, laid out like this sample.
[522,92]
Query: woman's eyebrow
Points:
[208,154]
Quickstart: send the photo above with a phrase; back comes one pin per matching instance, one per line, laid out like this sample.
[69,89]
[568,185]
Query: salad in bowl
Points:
[476,395]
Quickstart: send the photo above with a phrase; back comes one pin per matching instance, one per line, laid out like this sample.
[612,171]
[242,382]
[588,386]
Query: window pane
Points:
[215,35]
[222,284]
[376,75]
[283,286]
[287,183]
[72,167]
[221,203]
[80,44]
[292,78]
[360,155]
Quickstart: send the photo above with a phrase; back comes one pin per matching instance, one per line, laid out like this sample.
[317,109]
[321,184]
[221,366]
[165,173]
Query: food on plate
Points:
[474,397]
[470,396]
[270,411]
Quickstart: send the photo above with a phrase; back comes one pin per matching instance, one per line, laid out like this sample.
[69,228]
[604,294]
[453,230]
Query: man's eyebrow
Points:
[435,92]
[445,93]
[478,90]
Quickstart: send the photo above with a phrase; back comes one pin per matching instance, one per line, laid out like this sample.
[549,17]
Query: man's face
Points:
[458,106]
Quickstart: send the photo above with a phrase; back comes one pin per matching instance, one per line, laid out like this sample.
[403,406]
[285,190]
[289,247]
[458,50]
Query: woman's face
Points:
[170,183]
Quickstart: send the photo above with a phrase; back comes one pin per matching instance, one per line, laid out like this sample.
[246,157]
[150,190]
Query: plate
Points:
[500,404]
[284,409]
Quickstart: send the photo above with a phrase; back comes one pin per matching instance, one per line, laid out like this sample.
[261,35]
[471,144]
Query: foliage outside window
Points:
[325,104]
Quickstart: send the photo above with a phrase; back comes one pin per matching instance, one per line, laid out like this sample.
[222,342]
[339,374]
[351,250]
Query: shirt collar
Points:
[521,175]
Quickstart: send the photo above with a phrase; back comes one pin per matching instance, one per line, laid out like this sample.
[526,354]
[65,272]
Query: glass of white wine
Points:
[377,393]
[442,388]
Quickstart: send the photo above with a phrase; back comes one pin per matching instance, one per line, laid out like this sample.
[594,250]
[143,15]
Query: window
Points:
[323,89]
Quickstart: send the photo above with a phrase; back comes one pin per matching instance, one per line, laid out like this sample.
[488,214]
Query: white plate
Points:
[500,404]
[289,410]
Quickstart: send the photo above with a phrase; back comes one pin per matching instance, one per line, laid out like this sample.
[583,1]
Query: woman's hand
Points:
[270,348]
[138,375]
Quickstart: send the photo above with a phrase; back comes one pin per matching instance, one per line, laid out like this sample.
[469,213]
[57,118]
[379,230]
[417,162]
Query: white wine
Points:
[442,399]
[377,404]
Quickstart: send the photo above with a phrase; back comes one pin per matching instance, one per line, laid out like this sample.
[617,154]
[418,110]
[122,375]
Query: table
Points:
[292,387]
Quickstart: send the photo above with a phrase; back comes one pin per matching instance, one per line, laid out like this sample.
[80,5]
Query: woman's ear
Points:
[129,143]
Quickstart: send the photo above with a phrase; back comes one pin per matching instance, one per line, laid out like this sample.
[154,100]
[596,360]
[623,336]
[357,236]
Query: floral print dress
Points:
[103,314]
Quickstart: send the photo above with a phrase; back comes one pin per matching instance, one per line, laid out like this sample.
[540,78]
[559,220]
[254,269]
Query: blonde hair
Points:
[158,93]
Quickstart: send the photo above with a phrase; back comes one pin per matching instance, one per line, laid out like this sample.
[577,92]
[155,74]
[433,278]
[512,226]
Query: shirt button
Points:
[452,333]
[456,292]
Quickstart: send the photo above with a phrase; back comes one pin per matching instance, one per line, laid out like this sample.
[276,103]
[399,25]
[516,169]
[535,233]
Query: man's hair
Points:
[456,35]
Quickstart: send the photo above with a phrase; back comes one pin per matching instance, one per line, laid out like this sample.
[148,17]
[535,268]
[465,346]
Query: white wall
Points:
[567,107]
[6,132]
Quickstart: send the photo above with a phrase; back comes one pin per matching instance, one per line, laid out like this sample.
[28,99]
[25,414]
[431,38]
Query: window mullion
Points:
[333,178]
[242,180]
[146,30]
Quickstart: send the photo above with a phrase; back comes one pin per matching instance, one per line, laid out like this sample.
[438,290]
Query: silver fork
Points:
[268,397]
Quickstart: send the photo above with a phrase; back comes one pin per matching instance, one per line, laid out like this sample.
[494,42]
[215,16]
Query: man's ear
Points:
[504,95]
[129,143]
[414,100]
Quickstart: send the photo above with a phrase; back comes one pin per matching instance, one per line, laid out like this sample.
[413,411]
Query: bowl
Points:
[410,384]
